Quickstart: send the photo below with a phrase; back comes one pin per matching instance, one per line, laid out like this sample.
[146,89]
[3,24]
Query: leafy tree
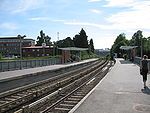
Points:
[0,56]
[146,46]
[120,41]
[91,46]
[136,41]
[80,40]
[68,42]
[43,39]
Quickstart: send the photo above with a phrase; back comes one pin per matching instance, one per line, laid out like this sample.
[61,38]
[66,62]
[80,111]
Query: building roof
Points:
[15,37]
[73,49]
[128,47]
[10,37]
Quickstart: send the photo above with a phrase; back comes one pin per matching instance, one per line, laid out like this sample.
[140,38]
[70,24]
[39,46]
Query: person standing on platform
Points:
[144,69]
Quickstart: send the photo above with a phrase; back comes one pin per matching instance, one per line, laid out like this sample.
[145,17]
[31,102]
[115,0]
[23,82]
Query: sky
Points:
[102,20]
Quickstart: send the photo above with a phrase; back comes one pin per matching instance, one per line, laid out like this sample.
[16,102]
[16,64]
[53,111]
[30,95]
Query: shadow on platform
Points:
[125,62]
[146,90]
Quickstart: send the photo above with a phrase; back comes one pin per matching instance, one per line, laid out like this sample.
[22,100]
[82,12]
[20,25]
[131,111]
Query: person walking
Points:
[144,69]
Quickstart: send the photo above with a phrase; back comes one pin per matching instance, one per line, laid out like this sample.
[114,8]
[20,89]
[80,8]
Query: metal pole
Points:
[57,43]
[20,47]
[20,38]
[58,36]
[141,48]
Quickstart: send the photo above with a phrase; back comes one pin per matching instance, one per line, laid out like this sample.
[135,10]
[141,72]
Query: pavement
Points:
[120,91]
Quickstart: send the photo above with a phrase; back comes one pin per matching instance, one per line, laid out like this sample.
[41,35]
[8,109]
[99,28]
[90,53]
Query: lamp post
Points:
[57,43]
[141,48]
[20,38]
[20,48]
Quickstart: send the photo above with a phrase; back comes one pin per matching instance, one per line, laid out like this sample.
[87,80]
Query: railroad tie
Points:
[67,105]
[76,96]
[74,99]
[73,102]
[62,109]
[10,99]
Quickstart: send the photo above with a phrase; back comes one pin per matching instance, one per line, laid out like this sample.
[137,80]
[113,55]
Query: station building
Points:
[11,46]
[37,51]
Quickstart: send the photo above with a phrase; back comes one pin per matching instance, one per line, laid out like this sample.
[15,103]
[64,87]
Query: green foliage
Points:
[80,40]
[68,42]
[0,56]
[146,46]
[135,41]
[91,46]
[87,55]
[43,39]
[120,41]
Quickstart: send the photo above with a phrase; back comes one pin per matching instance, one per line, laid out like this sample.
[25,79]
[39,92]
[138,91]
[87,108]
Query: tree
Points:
[68,42]
[120,41]
[0,56]
[80,40]
[43,39]
[136,41]
[146,46]
[91,46]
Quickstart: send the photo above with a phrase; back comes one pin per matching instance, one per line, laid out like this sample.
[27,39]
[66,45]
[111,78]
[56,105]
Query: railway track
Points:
[70,100]
[64,99]
[13,100]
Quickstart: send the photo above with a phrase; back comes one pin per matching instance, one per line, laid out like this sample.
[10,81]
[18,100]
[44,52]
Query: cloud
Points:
[119,3]
[82,24]
[39,18]
[8,26]
[95,11]
[94,0]
[26,5]
[19,6]
[104,42]
[90,24]
[46,19]
[136,18]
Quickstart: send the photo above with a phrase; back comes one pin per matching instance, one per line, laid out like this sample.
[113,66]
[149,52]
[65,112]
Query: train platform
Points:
[120,91]
[11,75]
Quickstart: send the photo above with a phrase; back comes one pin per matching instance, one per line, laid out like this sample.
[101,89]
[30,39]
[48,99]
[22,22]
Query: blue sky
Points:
[103,20]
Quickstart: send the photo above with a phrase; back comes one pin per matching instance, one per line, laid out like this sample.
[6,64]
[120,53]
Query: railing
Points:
[138,59]
[23,64]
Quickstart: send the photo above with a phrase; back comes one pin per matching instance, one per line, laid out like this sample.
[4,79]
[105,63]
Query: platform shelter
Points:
[130,50]
[67,53]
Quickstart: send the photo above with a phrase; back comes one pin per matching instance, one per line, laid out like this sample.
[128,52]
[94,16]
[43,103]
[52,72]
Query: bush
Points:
[0,56]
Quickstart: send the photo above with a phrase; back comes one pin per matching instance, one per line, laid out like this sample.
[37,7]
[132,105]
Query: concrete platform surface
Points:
[121,91]
[8,75]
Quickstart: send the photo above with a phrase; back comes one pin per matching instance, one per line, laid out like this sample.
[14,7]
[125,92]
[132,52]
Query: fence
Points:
[138,59]
[23,64]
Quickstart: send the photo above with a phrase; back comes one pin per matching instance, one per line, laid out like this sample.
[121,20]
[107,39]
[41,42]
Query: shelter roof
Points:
[128,47]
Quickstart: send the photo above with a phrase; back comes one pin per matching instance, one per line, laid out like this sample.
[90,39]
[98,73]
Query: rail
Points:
[86,78]
[20,96]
